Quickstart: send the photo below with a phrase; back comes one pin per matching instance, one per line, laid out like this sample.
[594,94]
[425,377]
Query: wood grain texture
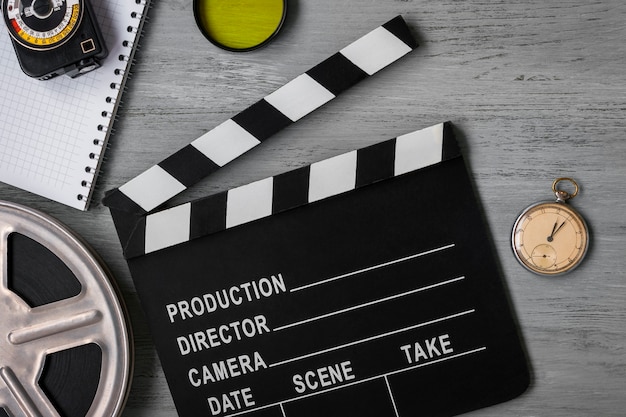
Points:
[536,91]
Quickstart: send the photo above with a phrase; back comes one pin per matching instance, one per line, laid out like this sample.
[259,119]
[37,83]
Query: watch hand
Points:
[551,237]
[553,229]
[557,230]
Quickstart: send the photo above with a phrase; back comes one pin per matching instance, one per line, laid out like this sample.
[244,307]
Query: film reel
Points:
[65,347]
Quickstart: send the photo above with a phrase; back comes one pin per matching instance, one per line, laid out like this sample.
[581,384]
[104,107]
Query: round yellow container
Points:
[240,25]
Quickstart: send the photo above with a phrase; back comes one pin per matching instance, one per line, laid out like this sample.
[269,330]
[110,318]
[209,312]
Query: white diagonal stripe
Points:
[299,97]
[375,50]
[152,187]
[249,202]
[225,142]
[332,176]
[168,227]
[419,149]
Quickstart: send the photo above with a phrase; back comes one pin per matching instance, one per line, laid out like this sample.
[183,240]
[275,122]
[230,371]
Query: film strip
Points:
[318,181]
[304,94]
[65,348]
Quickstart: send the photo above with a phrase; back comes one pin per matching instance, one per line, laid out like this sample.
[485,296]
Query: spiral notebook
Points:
[54,133]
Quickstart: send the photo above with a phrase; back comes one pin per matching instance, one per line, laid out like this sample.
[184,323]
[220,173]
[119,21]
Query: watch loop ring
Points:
[564,195]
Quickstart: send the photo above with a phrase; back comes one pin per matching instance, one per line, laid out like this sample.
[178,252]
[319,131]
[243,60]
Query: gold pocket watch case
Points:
[551,238]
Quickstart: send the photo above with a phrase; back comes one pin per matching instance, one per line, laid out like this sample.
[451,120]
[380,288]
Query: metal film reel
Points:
[31,336]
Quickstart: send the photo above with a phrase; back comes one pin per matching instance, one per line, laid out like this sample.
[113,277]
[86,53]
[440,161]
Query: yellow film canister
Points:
[240,25]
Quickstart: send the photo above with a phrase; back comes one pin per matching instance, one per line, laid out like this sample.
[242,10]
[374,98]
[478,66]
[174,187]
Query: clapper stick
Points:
[340,174]
[299,97]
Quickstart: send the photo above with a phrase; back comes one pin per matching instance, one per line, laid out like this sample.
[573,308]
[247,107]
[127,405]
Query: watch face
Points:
[550,238]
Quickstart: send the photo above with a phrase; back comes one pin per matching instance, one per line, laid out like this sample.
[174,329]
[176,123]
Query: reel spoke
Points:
[26,398]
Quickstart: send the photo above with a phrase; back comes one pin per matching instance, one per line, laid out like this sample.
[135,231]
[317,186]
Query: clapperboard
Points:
[364,284]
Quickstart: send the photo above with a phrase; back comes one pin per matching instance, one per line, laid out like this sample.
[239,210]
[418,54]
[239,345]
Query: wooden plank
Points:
[536,90]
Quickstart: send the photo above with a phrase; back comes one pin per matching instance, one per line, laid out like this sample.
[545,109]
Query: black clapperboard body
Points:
[363,284]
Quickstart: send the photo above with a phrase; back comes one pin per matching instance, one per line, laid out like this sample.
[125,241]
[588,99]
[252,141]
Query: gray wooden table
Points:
[535,89]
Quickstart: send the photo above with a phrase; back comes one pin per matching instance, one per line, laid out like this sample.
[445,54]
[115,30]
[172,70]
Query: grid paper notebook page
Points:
[53,133]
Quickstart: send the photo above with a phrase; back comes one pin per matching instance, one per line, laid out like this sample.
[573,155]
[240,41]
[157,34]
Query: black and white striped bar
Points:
[315,182]
[288,104]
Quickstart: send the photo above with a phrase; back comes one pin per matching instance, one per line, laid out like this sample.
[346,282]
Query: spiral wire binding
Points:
[120,88]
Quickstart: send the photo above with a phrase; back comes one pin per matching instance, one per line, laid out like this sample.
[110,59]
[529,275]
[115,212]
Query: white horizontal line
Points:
[421,365]
[370,303]
[406,258]
[368,339]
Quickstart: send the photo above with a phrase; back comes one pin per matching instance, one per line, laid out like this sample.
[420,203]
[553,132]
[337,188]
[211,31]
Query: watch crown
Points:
[562,196]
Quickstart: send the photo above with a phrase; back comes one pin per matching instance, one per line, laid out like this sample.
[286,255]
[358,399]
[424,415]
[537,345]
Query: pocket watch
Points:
[550,237]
